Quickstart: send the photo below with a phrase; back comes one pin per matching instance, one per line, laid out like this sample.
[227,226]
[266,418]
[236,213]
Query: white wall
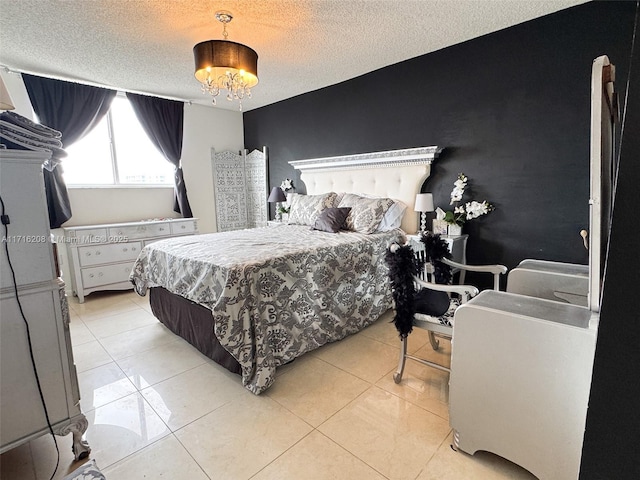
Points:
[206,128]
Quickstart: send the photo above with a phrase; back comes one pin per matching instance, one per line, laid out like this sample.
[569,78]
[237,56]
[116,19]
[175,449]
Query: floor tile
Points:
[166,458]
[383,330]
[99,304]
[102,385]
[239,439]
[18,463]
[137,340]
[160,363]
[194,393]
[90,355]
[120,322]
[44,456]
[388,433]
[120,428]
[316,457]
[448,464]
[422,385]
[349,355]
[314,390]
[80,333]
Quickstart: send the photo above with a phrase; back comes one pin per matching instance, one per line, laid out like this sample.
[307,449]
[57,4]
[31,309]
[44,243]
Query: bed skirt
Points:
[192,322]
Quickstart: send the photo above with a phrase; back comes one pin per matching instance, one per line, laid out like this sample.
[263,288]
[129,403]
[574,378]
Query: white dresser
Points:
[43,301]
[101,256]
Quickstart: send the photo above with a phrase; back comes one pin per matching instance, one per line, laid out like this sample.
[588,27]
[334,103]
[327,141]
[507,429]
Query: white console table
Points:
[101,256]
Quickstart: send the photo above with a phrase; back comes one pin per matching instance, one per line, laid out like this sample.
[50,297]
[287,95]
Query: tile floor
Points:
[157,408]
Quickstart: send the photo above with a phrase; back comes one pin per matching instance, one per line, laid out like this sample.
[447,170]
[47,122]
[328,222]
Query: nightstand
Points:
[274,223]
[457,247]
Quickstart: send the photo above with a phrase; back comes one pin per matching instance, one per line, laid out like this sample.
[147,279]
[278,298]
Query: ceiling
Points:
[146,46]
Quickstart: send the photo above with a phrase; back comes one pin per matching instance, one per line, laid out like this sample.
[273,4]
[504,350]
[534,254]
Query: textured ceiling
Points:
[303,45]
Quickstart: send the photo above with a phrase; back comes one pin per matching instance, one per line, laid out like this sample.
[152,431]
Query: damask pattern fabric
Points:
[366,213]
[275,293]
[306,208]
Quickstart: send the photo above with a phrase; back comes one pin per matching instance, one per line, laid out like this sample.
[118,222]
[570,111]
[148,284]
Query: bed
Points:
[255,299]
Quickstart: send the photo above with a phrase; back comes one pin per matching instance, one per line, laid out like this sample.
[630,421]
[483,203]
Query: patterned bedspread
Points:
[275,292]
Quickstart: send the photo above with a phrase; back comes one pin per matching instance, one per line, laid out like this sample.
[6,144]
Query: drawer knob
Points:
[91,275]
[161,229]
[98,252]
[120,232]
[182,227]
[100,274]
[88,254]
[124,249]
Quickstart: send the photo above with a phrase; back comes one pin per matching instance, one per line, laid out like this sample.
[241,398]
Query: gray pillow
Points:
[331,219]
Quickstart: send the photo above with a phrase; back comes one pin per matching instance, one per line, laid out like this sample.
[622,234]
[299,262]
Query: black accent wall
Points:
[511,108]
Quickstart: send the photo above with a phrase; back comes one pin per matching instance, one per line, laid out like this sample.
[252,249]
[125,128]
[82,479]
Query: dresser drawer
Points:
[87,236]
[143,230]
[114,252]
[183,227]
[106,274]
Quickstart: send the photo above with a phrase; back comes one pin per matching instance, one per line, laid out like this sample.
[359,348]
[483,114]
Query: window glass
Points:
[134,160]
[88,160]
[139,161]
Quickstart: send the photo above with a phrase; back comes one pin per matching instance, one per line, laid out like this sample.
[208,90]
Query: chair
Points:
[423,295]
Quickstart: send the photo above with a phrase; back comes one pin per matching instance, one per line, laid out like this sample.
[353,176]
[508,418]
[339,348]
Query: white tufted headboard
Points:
[397,174]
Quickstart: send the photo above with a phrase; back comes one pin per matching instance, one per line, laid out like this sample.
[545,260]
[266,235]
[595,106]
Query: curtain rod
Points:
[91,84]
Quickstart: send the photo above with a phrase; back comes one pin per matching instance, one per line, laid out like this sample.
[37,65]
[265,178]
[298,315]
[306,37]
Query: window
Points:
[117,152]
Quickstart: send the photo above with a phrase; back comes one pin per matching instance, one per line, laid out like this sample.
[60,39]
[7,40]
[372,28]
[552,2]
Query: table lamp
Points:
[424,204]
[276,196]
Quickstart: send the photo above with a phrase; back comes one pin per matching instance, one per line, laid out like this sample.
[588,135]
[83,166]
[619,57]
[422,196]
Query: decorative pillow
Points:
[306,208]
[366,213]
[393,218]
[331,219]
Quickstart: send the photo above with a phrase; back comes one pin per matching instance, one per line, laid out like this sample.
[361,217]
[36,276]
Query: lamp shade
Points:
[214,58]
[277,195]
[424,202]
[5,99]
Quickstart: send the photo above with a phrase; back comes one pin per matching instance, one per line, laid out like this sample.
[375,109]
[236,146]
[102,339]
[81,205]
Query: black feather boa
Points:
[436,250]
[403,266]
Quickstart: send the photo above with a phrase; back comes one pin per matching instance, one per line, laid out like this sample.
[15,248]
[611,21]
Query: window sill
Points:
[91,187]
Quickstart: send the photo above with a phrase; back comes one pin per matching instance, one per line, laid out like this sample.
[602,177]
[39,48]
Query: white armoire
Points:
[240,188]
[41,295]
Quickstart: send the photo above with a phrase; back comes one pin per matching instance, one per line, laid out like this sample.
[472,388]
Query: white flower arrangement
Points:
[467,211]
[286,185]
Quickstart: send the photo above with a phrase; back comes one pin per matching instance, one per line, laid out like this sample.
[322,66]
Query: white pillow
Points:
[393,218]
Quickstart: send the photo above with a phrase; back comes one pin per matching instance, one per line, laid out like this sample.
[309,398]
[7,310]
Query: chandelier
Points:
[225,65]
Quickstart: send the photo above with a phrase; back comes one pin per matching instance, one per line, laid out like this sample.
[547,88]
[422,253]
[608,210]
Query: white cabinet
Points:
[40,296]
[101,256]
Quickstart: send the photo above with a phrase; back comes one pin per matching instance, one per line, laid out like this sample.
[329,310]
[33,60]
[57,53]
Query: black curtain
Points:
[74,110]
[163,120]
